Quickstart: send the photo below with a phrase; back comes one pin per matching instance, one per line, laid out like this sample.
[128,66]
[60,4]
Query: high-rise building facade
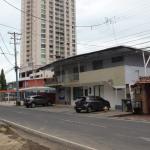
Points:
[48,32]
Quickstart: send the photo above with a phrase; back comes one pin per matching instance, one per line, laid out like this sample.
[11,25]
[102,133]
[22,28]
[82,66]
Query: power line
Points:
[7,54]
[88,42]
[6,72]
[89,26]
[6,26]
[84,26]
[127,29]
[6,57]
[141,43]
[4,43]
[125,42]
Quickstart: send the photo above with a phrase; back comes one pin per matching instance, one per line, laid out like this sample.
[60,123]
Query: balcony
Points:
[71,77]
[67,78]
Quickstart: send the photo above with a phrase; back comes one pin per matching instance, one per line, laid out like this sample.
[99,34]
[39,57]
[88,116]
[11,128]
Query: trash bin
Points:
[127,105]
[138,109]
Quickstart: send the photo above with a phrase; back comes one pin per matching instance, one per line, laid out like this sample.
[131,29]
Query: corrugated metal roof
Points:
[102,53]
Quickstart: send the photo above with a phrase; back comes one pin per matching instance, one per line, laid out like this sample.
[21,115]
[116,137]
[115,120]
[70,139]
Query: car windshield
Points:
[92,98]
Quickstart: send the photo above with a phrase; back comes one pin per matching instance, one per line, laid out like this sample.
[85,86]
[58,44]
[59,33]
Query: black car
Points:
[33,101]
[91,103]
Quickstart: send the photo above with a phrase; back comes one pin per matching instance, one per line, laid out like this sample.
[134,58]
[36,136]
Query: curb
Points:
[59,142]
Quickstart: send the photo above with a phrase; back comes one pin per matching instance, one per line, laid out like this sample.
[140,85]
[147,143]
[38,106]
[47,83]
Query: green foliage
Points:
[3,84]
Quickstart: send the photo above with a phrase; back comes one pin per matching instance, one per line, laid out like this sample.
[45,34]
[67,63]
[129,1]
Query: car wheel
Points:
[78,111]
[106,108]
[89,109]
[49,104]
[33,105]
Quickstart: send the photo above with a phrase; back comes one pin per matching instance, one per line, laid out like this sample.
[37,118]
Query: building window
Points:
[82,68]
[75,70]
[43,50]
[117,59]
[97,64]
[43,56]
[43,46]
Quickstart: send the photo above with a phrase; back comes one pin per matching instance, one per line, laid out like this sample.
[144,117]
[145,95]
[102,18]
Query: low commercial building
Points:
[107,73]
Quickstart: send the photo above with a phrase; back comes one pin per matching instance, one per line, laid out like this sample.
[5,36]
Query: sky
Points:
[106,23]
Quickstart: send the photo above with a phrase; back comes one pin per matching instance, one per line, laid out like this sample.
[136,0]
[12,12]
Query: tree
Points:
[3,80]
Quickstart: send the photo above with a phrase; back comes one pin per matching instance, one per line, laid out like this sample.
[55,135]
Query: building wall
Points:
[114,96]
[114,74]
[55,30]
[33,83]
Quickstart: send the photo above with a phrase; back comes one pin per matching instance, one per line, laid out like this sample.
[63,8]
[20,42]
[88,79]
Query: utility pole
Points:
[112,21]
[15,39]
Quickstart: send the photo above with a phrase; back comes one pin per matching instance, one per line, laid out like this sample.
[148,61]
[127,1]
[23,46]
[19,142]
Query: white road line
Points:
[48,135]
[122,135]
[82,123]
[19,112]
[145,139]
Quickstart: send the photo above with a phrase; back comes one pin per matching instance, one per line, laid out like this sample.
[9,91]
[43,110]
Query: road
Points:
[98,133]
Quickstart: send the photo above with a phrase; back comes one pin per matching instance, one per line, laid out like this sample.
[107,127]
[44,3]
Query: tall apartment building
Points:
[48,33]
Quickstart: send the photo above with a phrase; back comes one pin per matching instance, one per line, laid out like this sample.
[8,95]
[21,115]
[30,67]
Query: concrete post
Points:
[72,100]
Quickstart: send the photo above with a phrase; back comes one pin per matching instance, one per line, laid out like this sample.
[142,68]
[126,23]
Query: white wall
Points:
[110,95]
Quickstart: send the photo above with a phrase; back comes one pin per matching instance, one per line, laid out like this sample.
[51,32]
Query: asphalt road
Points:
[98,133]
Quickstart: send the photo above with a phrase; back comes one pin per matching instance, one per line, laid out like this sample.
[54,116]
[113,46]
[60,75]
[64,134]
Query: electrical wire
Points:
[8,26]
[39,18]
[46,20]
[141,43]
[6,57]
[4,43]
[9,70]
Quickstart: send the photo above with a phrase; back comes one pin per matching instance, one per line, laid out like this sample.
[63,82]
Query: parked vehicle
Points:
[33,101]
[91,103]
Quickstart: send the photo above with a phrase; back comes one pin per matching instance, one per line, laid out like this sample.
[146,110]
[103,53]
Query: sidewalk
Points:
[110,113]
[134,117]
[8,103]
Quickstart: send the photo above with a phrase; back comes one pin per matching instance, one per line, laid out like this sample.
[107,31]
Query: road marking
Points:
[20,112]
[145,139]
[48,135]
[82,123]
[122,135]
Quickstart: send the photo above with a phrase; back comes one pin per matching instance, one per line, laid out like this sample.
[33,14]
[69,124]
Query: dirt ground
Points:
[9,140]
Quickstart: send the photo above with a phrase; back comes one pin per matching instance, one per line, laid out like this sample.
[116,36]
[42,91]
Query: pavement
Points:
[98,133]
[134,117]
[8,103]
